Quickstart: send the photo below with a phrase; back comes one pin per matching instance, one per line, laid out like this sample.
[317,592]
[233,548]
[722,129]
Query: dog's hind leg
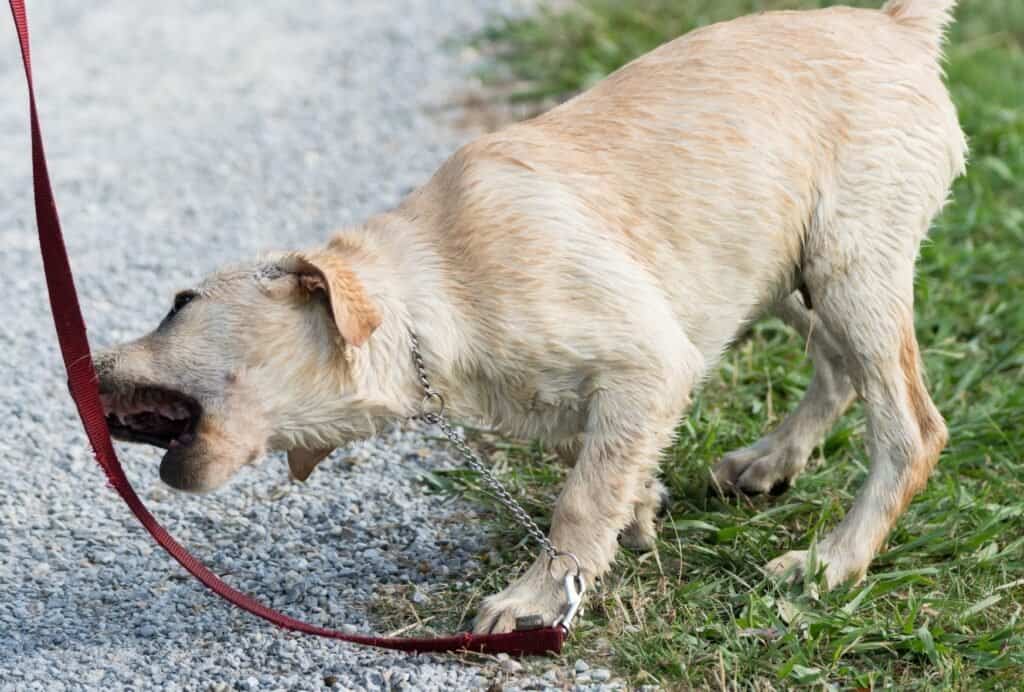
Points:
[867,306]
[771,464]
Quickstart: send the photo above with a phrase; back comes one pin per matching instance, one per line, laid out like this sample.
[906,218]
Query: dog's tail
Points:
[931,17]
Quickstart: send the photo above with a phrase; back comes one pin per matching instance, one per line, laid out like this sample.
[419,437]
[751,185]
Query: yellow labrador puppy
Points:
[574,277]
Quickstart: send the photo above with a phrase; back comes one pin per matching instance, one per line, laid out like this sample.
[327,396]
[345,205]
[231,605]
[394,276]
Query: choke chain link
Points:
[435,416]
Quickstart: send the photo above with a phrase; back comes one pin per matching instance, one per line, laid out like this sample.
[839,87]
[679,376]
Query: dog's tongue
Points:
[182,440]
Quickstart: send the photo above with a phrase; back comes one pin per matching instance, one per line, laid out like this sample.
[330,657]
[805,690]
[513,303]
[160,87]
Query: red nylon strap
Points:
[74,347]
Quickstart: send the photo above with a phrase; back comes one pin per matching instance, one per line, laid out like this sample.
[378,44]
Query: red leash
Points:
[74,347]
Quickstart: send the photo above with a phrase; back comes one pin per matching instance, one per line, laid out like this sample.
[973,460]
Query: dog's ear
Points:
[324,272]
[301,462]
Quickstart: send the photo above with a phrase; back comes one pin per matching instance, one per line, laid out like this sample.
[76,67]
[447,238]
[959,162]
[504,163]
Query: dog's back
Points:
[719,160]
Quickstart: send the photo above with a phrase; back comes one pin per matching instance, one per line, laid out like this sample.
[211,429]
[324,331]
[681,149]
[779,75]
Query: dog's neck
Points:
[395,258]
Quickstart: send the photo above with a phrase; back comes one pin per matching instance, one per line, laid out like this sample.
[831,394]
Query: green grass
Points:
[942,606]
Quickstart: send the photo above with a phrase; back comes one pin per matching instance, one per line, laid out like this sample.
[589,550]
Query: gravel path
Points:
[180,136]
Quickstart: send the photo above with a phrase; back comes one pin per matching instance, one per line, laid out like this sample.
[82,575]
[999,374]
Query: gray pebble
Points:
[511,666]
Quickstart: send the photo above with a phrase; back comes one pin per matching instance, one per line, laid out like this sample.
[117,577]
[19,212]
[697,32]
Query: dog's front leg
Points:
[620,448]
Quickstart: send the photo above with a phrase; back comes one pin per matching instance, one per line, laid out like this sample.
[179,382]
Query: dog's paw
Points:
[536,593]
[498,613]
[792,567]
[765,467]
[641,533]
[788,568]
[640,536]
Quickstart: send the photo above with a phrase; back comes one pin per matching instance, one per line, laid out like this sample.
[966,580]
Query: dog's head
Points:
[257,357]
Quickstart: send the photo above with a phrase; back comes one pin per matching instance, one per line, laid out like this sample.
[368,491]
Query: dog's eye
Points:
[180,301]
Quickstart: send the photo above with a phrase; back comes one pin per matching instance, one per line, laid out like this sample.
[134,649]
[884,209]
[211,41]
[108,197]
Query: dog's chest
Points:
[549,405]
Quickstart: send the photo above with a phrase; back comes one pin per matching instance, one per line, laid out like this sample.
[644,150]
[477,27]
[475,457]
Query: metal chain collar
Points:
[432,411]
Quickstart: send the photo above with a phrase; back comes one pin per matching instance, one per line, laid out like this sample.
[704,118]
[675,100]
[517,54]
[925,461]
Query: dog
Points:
[574,277]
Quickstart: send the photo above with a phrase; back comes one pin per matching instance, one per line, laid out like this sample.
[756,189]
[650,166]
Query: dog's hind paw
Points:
[791,568]
[788,568]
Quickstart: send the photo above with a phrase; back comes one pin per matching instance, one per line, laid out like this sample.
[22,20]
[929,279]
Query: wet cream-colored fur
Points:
[574,277]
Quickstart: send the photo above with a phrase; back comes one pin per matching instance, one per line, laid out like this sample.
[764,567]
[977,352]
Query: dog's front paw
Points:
[536,593]
[641,534]
[766,467]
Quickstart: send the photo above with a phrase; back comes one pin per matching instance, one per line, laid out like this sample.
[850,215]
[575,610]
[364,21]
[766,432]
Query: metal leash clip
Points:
[575,586]
[432,410]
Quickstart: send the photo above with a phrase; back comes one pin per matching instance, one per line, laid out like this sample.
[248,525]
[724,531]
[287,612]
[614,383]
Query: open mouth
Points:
[152,415]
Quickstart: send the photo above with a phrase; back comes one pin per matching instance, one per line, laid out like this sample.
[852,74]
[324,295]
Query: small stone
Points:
[419,598]
[511,666]
[330,680]
[581,666]
[551,675]
[600,675]
[103,557]
[582,678]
